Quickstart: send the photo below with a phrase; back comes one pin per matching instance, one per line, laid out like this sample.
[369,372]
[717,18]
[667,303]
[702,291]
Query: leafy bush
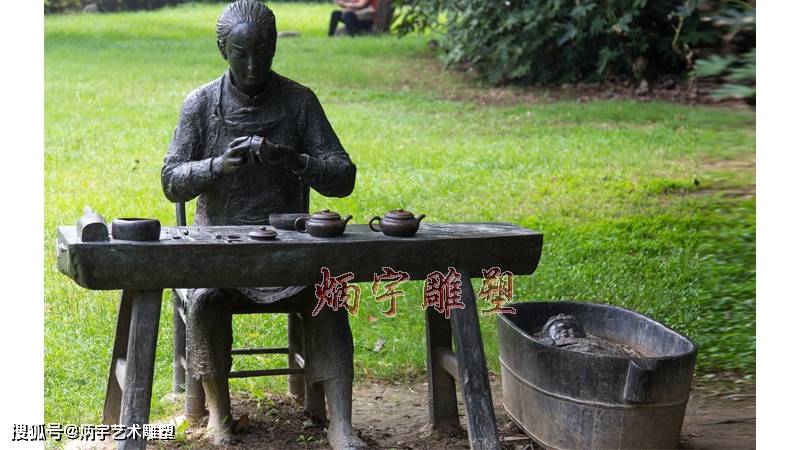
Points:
[735,65]
[51,6]
[541,41]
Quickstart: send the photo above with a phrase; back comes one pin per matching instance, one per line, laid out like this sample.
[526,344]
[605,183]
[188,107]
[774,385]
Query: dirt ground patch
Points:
[395,416]
[470,87]
[473,89]
[745,164]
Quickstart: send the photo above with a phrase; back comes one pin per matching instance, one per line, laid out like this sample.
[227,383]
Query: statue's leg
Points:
[330,364]
[209,336]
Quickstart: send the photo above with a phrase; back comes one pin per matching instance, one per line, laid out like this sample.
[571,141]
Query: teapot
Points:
[323,223]
[397,223]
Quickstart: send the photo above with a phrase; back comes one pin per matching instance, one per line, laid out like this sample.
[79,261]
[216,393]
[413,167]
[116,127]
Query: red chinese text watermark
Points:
[333,292]
[443,291]
[393,279]
[497,288]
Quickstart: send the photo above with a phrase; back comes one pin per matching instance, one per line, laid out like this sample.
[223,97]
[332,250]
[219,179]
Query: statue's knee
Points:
[201,302]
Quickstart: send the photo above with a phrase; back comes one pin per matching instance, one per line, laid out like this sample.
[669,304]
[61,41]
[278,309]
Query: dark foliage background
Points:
[565,41]
[546,41]
[54,6]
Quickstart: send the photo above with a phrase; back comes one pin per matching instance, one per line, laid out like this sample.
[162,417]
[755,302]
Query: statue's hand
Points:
[276,155]
[235,156]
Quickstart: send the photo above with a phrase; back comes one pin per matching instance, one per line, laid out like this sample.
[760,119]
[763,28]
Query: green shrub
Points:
[52,6]
[544,41]
[733,62]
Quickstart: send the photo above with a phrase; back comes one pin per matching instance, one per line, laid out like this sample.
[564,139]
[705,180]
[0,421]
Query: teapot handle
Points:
[378,218]
[300,224]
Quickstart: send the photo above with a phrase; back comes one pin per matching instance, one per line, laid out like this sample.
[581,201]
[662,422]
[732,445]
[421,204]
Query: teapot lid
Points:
[399,214]
[326,214]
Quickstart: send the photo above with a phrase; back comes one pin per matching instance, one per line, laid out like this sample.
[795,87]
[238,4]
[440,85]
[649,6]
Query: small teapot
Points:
[323,223]
[397,223]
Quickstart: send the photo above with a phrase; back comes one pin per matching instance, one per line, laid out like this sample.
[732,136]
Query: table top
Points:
[201,259]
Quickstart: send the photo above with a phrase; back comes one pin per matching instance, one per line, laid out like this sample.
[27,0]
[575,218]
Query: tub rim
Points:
[693,347]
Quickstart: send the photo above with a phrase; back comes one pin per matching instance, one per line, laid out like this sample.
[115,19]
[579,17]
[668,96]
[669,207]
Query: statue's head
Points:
[246,37]
[563,326]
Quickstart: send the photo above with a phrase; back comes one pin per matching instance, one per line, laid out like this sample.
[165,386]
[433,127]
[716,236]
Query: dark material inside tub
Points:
[619,327]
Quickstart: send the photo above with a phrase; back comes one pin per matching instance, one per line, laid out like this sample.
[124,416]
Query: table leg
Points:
[473,374]
[442,401]
[113,404]
[140,361]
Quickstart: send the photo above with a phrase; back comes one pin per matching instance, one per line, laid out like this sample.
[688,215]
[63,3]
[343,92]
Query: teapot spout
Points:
[347,219]
[419,218]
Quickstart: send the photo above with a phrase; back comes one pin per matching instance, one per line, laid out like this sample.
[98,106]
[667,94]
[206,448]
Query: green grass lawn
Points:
[611,184]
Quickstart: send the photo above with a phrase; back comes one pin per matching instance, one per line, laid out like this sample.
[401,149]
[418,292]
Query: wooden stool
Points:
[295,350]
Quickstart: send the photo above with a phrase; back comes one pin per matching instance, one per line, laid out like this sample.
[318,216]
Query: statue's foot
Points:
[220,432]
[318,416]
[220,436]
[345,440]
[196,420]
[315,405]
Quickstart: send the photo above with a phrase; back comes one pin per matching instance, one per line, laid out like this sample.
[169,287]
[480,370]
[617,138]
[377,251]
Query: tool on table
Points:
[92,226]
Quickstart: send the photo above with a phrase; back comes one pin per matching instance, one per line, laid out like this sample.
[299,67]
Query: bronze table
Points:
[143,269]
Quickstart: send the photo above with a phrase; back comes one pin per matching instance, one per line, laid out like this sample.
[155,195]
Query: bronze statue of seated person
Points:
[247,145]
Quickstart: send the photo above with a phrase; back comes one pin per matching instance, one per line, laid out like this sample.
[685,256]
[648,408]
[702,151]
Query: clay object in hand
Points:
[271,154]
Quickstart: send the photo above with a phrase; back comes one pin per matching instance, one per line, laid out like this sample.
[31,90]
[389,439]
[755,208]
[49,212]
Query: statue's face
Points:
[248,54]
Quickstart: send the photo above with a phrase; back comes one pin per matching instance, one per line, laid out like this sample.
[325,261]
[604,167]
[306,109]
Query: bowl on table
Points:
[136,229]
[285,221]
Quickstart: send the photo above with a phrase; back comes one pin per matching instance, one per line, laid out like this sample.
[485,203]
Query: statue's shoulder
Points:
[201,97]
[296,92]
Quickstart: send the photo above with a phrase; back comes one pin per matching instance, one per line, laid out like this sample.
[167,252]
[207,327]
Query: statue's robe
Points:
[285,113]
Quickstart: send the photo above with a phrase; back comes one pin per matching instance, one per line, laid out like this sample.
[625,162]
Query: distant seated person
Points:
[357,15]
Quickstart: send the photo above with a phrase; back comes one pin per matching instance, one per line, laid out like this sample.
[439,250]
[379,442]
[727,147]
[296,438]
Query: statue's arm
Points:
[185,174]
[328,169]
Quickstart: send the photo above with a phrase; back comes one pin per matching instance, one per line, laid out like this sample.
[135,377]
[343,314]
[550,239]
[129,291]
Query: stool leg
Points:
[297,383]
[442,400]
[178,346]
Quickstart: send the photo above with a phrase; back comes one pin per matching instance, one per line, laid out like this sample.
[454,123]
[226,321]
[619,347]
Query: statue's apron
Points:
[227,130]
